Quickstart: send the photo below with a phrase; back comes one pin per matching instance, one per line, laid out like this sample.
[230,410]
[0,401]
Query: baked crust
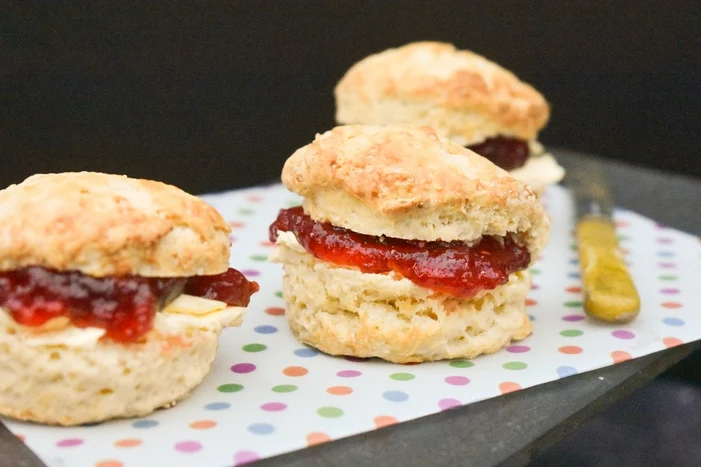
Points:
[102,224]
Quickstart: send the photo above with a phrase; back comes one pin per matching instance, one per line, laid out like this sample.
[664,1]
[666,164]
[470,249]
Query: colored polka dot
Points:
[229,388]
[666,254]
[266,244]
[317,437]
[245,457]
[348,373]
[217,406]
[21,437]
[670,291]
[306,353]
[573,247]
[237,225]
[250,272]
[671,342]
[563,371]
[667,277]
[570,349]
[573,318]
[673,322]
[623,238]
[245,211]
[254,348]
[261,428]
[623,334]
[447,404]
[667,265]
[339,390]
[259,258]
[188,446]
[273,406]
[284,388]
[254,198]
[232,239]
[295,371]
[243,368]
[514,366]
[573,304]
[265,329]
[293,202]
[275,311]
[574,261]
[671,305]
[571,333]
[203,424]
[531,317]
[622,224]
[144,424]
[457,380]
[395,396]
[573,289]
[664,240]
[508,386]
[402,376]
[531,302]
[535,272]
[109,463]
[384,420]
[461,364]
[573,275]
[128,443]
[518,348]
[278,294]
[330,412]
[533,287]
[619,356]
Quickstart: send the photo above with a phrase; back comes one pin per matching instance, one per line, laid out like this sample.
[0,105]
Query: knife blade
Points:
[14,452]
[608,289]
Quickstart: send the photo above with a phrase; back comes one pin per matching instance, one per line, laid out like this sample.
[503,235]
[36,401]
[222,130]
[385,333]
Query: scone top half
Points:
[391,184]
[464,96]
[104,251]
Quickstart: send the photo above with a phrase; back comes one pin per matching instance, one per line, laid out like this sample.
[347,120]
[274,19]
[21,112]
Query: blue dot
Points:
[217,406]
[531,317]
[261,428]
[144,424]
[265,329]
[666,254]
[306,353]
[573,275]
[395,396]
[563,371]
[574,261]
[673,321]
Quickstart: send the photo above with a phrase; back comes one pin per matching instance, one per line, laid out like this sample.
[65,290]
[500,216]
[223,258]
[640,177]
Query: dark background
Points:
[217,96]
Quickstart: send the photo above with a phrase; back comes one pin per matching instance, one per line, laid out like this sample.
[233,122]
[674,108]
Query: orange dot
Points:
[671,305]
[295,371]
[672,342]
[622,224]
[339,390]
[203,424]
[384,420]
[21,437]
[619,356]
[275,311]
[573,289]
[128,443]
[530,302]
[236,225]
[266,243]
[109,463]
[570,349]
[624,251]
[254,198]
[317,438]
[509,386]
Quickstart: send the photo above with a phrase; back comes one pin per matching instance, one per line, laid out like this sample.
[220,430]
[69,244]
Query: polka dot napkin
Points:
[267,394]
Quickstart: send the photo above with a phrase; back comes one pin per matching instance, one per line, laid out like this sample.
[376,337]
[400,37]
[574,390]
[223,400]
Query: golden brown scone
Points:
[408,182]
[101,224]
[461,94]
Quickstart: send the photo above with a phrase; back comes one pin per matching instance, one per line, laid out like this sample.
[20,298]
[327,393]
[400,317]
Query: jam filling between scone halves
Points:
[124,306]
[507,153]
[454,268]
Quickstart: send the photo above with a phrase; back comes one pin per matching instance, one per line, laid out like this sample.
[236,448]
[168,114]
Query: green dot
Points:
[259,258]
[402,376]
[514,366]
[573,247]
[285,388]
[330,412]
[461,364]
[571,333]
[293,203]
[623,238]
[245,212]
[278,294]
[229,388]
[254,348]
[535,272]
[667,277]
[573,304]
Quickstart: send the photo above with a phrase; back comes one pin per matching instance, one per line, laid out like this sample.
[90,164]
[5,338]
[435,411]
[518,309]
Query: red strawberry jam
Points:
[124,306]
[507,153]
[454,268]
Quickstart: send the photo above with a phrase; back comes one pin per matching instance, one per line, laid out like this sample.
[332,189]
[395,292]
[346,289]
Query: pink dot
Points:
[273,406]
[243,368]
[348,373]
[664,240]
[534,287]
[69,442]
[457,380]
[250,272]
[447,404]
[188,446]
[667,265]
[623,334]
[245,457]
[518,348]
[670,291]
[573,318]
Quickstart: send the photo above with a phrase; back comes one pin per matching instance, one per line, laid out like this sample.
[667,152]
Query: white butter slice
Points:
[68,337]
[196,306]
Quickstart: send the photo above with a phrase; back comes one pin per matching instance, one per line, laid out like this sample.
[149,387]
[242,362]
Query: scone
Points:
[464,96]
[113,293]
[407,246]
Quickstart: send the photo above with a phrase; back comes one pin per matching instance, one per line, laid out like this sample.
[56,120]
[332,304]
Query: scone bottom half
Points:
[397,297]
[116,326]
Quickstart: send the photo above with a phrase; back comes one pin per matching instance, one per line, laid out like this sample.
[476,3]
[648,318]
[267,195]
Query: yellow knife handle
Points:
[609,291]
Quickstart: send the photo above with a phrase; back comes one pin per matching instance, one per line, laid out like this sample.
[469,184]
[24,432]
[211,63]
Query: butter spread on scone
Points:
[113,293]
[408,246]
[464,96]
